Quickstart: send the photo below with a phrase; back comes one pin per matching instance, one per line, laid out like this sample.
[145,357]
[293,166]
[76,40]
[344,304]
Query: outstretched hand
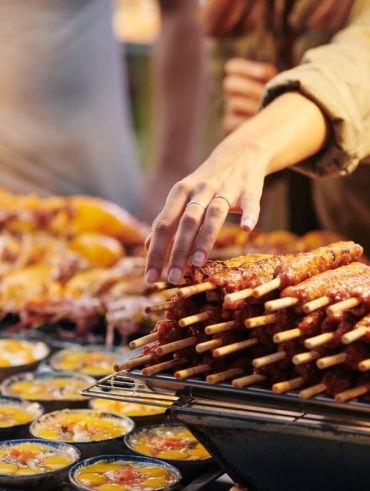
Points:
[197,206]
[289,130]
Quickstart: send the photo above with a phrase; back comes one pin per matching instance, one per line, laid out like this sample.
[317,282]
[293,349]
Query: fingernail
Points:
[152,275]
[175,275]
[247,224]
[198,258]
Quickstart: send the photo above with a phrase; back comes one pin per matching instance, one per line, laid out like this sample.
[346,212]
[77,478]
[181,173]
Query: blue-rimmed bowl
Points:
[43,480]
[156,417]
[21,429]
[77,401]
[56,358]
[123,458]
[187,467]
[41,351]
[88,448]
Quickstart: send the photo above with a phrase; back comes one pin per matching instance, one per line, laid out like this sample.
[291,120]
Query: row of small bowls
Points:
[95,451]
[43,355]
[49,480]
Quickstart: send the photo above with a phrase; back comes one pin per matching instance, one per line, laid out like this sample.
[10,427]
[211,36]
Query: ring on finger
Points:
[194,202]
[224,198]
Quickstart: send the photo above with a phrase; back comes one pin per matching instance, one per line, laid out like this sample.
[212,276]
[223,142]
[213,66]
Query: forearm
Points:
[287,131]
[179,85]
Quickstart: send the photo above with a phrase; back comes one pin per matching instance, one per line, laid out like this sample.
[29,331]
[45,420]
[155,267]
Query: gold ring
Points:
[193,202]
[223,197]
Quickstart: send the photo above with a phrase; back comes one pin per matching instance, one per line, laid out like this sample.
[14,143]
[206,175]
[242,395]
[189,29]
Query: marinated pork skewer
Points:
[320,290]
[297,268]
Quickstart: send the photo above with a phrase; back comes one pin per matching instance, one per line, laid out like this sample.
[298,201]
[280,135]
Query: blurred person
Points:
[64,116]
[313,117]
[179,91]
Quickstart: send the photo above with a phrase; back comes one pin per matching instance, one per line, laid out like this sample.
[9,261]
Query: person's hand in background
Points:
[243,85]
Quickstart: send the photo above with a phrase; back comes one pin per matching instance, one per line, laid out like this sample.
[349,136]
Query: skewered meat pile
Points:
[288,322]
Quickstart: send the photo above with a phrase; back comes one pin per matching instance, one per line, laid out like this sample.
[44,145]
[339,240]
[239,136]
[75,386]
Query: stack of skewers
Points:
[286,322]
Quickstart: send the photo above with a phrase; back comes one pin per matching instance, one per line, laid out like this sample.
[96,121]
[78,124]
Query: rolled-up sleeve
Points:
[336,76]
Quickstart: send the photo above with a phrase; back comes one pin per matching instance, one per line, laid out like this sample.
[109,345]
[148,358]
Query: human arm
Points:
[330,90]
[179,91]
[287,131]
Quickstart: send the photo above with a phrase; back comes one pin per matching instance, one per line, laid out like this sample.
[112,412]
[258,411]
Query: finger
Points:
[215,217]
[243,106]
[240,84]
[163,229]
[188,230]
[147,241]
[255,69]
[250,203]
[233,121]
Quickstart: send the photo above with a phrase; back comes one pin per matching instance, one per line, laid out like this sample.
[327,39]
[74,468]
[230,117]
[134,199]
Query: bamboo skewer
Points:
[170,292]
[287,385]
[240,295]
[160,285]
[280,303]
[160,307]
[331,361]
[262,320]
[215,378]
[234,347]
[351,336]
[189,291]
[160,367]
[255,378]
[190,372]
[193,319]
[135,362]
[268,359]
[208,345]
[319,340]
[364,365]
[312,391]
[283,336]
[221,327]
[149,338]
[347,304]
[268,287]
[305,357]
[351,393]
[316,304]
[175,346]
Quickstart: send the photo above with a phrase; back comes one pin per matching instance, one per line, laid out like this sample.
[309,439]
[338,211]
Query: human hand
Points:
[230,180]
[243,85]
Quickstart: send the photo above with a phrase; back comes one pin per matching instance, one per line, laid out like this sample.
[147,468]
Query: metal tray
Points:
[194,387]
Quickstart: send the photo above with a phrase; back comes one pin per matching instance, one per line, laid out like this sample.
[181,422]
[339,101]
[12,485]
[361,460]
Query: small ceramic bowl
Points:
[15,429]
[44,480]
[87,448]
[51,402]
[40,352]
[95,361]
[141,414]
[107,459]
[187,467]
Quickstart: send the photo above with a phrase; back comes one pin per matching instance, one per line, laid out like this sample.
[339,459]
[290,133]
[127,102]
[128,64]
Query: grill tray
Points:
[264,441]
[264,397]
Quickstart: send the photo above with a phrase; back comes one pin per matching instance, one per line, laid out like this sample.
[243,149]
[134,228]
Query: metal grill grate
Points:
[133,387]
[119,387]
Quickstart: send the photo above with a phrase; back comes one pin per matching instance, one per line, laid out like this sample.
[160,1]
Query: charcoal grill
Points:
[264,441]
